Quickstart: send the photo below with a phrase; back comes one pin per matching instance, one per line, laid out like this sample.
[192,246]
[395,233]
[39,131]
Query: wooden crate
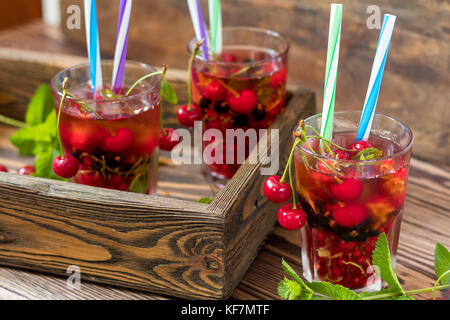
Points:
[163,244]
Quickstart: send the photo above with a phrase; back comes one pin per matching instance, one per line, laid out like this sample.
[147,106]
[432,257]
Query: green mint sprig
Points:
[37,135]
[298,289]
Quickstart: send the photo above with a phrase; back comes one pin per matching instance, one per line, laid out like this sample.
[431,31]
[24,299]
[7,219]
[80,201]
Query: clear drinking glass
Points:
[115,140]
[348,209]
[244,87]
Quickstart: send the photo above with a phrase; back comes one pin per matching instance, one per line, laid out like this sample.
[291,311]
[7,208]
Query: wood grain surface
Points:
[415,82]
[426,220]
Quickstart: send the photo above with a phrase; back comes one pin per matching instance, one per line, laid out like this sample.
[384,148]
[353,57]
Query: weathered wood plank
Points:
[414,262]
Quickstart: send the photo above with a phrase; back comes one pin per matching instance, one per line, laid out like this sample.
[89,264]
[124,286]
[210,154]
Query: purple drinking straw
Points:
[117,86]
[201,24]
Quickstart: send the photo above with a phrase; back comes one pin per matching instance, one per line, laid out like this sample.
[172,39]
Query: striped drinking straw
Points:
[376,76]
[93,45]
[120,54]
[198,23]
[334,39]
[215,26]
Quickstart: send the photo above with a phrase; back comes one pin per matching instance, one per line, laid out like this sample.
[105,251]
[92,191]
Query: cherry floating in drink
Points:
[243,87]
[114,139]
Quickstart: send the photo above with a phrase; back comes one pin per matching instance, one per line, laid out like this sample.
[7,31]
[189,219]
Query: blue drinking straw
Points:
[93,45]
[376,76]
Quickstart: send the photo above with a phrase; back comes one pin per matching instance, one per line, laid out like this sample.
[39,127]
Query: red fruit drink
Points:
[115,140]
[350,202]
[243,87]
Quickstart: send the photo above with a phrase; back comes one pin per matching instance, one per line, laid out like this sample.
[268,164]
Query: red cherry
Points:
[120,142]
[290,218]
[349,215]
[246,102]
[277,191]
[187,117]
[324,174]
[168,139]
[65,166]
[340,154]
[26,170]
[88,140]
[214,91]
[349,189]
[359,146]
[147,146]
[3,168]
[278,79]
[226,57]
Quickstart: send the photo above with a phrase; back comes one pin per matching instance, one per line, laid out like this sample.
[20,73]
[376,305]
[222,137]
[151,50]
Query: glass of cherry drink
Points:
[114,136]
[243,87]
[350,197]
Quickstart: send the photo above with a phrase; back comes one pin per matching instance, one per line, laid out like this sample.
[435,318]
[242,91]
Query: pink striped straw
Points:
[120,54]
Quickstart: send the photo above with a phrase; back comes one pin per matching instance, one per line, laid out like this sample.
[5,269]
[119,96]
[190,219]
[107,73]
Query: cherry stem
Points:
[321,138]
[230,89]
[189,81]
[144,78]
[437,281]
[294,206]
[296,142]
[64,87]
[408,292]
[332,143]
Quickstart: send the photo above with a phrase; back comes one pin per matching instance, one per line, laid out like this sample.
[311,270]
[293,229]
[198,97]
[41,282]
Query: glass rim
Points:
[275,34]
[394,155]
[100,101]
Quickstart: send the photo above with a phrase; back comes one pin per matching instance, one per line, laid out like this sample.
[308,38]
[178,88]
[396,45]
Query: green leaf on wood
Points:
[442,263]
[40,106]
[289,289]
[381,257]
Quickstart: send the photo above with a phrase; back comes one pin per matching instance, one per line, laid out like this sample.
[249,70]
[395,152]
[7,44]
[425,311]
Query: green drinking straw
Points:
[334,37]
[215,26]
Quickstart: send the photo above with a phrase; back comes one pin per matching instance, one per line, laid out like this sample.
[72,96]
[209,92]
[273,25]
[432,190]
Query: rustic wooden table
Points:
[426,220]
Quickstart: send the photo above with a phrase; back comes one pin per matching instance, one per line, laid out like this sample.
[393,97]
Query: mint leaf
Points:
[442,263]
[27,139]
[289,289]
[368,154]
[205,200]
[40,106]
[288,269]
[335,291]
[168,92]
[381,257]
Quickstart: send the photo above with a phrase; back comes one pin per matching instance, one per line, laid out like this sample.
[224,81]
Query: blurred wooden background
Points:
[416,82]
[18,11]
